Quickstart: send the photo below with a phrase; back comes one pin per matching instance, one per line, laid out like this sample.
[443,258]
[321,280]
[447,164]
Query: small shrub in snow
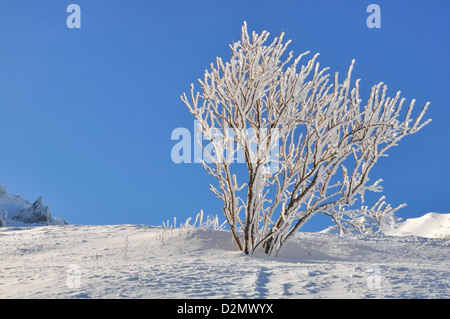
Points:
[308,142]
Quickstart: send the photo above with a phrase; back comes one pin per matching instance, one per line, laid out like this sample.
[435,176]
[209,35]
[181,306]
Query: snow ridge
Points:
[431,225]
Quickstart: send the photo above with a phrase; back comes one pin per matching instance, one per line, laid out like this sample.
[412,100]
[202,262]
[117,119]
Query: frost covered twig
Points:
[186,229]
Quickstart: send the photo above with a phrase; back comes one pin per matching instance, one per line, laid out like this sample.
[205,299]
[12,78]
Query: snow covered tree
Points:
[325,141]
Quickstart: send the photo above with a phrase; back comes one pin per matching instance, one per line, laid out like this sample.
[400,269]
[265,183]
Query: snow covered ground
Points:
[133,261]
[431,225]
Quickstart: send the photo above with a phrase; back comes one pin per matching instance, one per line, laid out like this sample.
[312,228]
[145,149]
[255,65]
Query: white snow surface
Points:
[431,225]
[132,261]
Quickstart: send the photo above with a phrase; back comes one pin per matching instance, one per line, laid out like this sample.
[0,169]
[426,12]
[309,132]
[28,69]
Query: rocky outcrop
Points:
[17,211]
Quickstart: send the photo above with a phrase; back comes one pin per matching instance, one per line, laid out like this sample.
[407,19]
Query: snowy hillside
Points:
[17,211]
[131,261]
[431,225]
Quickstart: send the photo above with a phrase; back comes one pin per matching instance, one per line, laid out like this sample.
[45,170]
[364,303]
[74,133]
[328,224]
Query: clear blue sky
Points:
[86,115]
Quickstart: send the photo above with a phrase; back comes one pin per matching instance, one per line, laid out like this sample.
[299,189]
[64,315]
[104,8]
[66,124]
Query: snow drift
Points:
[431,225]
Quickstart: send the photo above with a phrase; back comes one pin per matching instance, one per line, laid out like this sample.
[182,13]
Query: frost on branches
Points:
[326,142]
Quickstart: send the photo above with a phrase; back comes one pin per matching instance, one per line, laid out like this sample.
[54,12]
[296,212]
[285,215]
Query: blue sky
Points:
[86,115]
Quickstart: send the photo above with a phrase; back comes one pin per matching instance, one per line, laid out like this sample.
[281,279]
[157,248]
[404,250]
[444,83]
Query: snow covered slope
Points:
[431,225]
[131,261]
[17,211]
